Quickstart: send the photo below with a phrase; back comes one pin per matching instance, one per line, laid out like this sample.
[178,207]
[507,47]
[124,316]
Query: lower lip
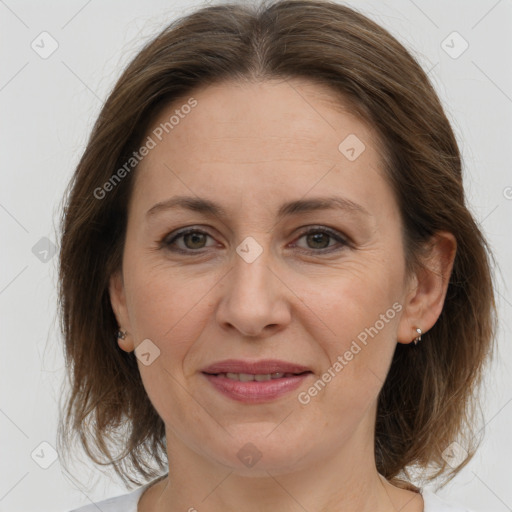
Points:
[255,392]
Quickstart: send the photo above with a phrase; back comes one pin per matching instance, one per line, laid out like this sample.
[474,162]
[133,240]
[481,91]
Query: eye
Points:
[193,239]
[319,238]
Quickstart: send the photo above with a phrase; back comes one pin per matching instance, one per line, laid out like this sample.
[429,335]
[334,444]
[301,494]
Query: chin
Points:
[259,454]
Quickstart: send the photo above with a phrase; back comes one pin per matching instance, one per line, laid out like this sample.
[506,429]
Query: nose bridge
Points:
[253,297]
[251,277]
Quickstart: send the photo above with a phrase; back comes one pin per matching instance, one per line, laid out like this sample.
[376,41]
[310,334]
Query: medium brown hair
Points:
[430,395]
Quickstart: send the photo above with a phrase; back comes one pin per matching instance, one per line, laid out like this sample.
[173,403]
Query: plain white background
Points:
[48,106]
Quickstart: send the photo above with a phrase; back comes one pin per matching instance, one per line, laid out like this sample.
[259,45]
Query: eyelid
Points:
[170,238]
[333,233]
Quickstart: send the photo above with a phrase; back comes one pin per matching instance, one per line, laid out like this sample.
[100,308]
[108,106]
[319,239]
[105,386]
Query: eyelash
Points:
[167,242]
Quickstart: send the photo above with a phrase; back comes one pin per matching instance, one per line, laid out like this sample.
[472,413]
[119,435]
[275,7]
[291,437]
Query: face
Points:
[318,287]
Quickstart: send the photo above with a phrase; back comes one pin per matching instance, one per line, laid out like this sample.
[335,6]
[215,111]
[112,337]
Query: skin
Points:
[251,147]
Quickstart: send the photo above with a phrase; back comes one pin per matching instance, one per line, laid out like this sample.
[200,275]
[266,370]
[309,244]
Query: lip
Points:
[254,392]
[262,366]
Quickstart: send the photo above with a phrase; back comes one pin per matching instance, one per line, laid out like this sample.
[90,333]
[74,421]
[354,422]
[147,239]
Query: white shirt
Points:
[128,503]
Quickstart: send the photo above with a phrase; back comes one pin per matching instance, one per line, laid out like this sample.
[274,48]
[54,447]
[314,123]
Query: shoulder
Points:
[125,503]
[434,503]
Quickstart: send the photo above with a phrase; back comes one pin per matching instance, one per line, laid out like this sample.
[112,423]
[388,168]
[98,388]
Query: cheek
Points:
[359,358]
[361,311]
[352,299]
[170,309]
[168,306]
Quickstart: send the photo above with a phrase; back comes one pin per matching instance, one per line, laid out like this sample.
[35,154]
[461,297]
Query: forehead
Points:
[294,109]
[270,138]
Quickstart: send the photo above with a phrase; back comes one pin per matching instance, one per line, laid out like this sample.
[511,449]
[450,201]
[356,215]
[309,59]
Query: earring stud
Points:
[418,338]
[121,334]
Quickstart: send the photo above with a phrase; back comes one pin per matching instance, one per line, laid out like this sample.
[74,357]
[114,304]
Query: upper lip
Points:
[263,366]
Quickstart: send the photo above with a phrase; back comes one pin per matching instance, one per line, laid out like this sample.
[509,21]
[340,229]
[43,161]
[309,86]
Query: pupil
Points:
[316,239]
[194,237]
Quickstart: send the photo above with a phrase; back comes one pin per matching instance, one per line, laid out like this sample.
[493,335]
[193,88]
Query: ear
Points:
[118,302]
[427,288]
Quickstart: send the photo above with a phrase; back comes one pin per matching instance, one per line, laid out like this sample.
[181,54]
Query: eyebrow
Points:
[209,208]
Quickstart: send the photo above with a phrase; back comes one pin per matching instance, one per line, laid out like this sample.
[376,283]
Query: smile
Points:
[255,388]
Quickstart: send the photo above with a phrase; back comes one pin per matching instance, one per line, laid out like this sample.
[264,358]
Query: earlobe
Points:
[118,303]
[425,299]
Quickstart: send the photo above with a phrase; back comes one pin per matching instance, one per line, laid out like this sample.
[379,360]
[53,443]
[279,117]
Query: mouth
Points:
[261,367]
[255,381]
[259,377]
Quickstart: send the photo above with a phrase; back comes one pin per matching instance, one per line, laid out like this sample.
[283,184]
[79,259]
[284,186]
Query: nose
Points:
[255,301]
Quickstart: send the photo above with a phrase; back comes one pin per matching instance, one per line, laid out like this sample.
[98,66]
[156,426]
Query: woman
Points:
[216,353]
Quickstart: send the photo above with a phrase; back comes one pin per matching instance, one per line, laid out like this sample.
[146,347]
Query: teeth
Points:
[261,378]
[246,377]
